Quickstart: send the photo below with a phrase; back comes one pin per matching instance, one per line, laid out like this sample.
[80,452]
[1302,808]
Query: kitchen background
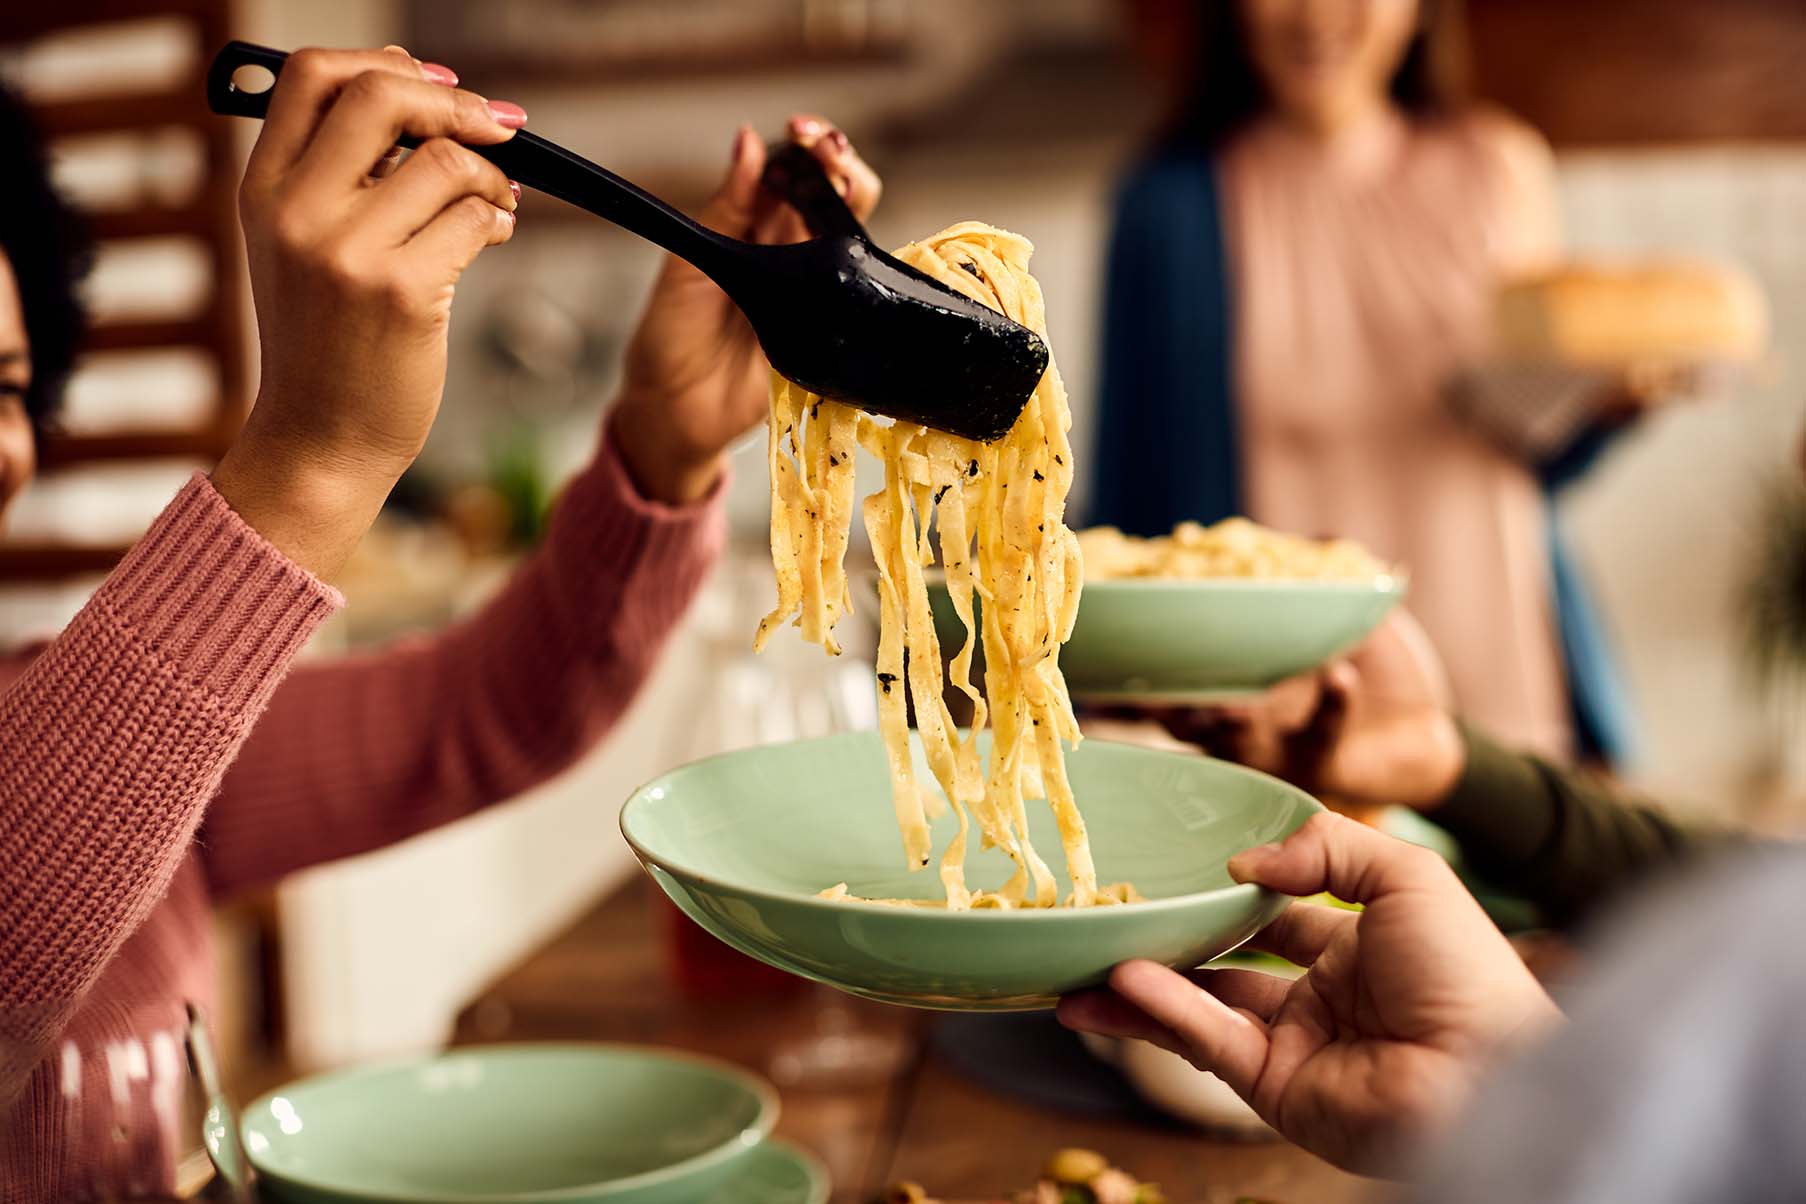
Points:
[1019,112]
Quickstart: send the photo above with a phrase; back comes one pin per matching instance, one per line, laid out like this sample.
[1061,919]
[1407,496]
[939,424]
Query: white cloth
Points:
[1681,1078]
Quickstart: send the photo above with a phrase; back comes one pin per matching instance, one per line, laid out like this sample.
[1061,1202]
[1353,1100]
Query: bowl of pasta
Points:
[784,853]
[1209,613]
[1018,862]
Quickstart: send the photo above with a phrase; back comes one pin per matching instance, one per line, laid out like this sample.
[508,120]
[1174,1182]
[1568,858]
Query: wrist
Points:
[663,466]
[313,507]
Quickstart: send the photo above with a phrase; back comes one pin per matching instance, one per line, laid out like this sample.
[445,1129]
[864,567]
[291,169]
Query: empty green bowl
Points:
[515,1124]
[743,842]
[1174,642]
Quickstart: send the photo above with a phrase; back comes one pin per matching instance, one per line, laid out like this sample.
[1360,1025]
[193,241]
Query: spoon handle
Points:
[220,1128]
[796,176]
[527,158]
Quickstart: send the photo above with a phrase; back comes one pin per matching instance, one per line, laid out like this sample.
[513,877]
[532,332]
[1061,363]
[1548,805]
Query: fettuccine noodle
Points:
[999,510]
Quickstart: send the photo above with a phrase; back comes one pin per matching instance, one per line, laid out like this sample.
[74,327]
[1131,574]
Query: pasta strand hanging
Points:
[1013,571]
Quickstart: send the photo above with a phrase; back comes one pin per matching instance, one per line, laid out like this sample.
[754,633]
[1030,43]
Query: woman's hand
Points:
[353,278]
[695,377]
[1403,1006]
[1369,731]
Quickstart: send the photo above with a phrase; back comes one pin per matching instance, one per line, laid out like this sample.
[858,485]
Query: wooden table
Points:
[606,978]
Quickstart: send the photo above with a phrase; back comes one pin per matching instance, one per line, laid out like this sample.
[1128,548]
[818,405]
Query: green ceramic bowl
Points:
[742,842]
[1177,642]
[515,1124]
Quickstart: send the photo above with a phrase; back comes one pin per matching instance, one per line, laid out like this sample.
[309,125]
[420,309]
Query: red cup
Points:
[706,968]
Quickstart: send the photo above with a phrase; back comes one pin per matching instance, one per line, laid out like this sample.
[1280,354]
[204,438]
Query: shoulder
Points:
[1506,143]
[1510,179]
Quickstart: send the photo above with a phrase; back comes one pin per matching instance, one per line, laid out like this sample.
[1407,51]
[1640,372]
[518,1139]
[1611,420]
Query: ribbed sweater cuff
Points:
[650,550]
[209,595]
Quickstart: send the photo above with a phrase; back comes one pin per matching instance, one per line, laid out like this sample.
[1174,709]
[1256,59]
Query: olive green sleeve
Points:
[1555,837]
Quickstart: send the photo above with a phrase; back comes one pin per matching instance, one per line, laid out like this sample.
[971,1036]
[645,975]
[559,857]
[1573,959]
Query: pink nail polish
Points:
[514,187]
[807,127]
[837,140]
[507,114]
[438,73]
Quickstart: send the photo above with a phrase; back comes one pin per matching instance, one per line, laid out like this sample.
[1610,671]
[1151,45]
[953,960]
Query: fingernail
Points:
[507,114]
[1242,862]
[439,73]
[806,127]
[514,187]
[837,140]
[392,48]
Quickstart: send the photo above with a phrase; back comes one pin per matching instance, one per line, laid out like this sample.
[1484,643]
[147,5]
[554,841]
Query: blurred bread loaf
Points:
[1608,315]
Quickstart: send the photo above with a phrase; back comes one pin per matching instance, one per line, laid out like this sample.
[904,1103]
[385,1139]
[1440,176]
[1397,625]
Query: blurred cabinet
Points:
[162,388]
[1594,73]
[619,40]
[1618,72]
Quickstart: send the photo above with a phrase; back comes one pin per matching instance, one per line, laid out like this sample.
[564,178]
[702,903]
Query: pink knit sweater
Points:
[159,755]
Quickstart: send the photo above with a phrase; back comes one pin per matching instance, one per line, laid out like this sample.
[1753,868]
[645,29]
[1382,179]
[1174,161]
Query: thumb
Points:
[731,210]
[1350,860]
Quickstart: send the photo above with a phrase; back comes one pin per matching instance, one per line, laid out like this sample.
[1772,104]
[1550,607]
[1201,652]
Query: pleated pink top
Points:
[1364,269]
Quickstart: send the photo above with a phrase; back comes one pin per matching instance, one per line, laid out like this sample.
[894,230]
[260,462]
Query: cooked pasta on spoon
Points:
[998,510]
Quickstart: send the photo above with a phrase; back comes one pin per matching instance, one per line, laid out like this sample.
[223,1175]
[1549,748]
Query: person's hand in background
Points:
[353,278]
[1403,1007]
[696,379]
[1646,385]
[1367,731]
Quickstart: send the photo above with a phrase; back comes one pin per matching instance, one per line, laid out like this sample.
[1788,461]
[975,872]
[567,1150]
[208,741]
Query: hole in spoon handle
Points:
[230,93]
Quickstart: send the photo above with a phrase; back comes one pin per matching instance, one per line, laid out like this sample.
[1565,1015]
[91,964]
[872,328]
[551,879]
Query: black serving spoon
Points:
[835,314]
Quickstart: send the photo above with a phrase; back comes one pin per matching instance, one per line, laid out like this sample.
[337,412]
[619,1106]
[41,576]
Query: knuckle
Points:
[445,157]
[1421,861]
[370,88]
[490,180]
[308,66]
[289,226]
[344,270]
[465,170]
[477,213]
[1324,823]
[469,110]
[397,294]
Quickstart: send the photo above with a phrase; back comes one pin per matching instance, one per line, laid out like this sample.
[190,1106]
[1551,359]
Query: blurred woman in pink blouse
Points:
[1302,272]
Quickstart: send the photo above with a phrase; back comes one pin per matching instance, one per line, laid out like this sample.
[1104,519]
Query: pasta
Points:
[999,512]
[1234,547]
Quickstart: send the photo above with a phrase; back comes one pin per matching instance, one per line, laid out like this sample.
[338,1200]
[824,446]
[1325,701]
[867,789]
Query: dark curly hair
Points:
[50,251]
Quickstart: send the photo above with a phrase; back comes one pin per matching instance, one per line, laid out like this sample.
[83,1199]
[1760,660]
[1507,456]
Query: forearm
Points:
[113,740]
[361,753]
[1554,836]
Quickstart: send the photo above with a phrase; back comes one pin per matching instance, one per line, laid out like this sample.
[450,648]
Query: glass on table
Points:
[790,692]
